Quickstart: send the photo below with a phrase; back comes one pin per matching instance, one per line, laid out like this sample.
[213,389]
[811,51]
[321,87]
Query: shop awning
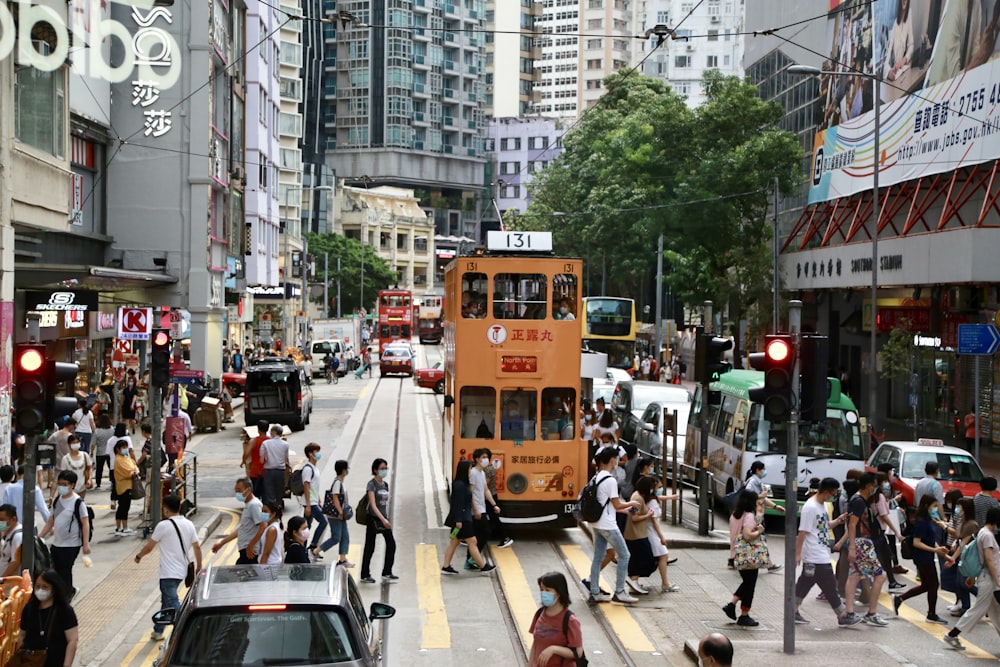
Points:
[97,278]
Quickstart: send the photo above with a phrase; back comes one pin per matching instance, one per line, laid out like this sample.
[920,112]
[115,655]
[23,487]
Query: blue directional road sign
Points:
[977,339]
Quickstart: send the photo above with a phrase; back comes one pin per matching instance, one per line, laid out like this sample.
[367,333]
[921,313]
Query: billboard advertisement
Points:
[935,67]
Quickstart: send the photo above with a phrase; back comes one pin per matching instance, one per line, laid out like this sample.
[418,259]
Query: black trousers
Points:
[929,584]
[747,588]
[496,526]
[63,559]
[243,559]
[366,555]
[820,574]
[482,528]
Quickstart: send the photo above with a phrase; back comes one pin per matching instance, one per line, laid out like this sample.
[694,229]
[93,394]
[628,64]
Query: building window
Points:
[714,8]
[663,17]
[40,109]
[594,44]
[402,240]
[713,35]
[510,192]
[510,167]
[711,61]
[594,63]
[682,87]
[682,61]
[537,143]
[510,144]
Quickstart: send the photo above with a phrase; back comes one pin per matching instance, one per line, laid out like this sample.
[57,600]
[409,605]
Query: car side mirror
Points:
[449,401]
[165,617]
[381,611]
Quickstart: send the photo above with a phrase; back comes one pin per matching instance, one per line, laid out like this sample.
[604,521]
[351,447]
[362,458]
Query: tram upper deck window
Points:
[558,420]
[478,412]
[520,296]
[474,290]
[395,301]
[564,296]
[519,412]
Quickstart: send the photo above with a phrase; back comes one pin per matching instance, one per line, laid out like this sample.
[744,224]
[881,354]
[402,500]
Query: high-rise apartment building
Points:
[511,91]
[707,36]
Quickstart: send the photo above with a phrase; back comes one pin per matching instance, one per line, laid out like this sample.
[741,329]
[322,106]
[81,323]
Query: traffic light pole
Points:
[703,508]
[791,481]
[28,502]
[156,423]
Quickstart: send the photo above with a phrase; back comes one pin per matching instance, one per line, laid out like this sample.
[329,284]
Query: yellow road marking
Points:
[626,628]
[434,631]
[519,591]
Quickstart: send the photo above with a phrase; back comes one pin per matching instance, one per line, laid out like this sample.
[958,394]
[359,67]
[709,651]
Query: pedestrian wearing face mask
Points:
[496,525]
[378,524]
[890,526]
[482,503]
[250,529]
[296,536]
[557,639]
[925,547]
[460,521]
[79,462]
[964,521]
[339,532]
[587,423]
[755,483]
[48,623]
[69,524]
[125,472]
[863,530]
[270,515]
[311,496]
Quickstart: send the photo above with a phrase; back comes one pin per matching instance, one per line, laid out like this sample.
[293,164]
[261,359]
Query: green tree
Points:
[377,272]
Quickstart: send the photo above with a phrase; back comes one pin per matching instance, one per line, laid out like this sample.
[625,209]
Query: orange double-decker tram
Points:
[512,373]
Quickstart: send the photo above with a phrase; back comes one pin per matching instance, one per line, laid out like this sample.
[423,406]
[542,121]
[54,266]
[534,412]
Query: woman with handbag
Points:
[126,473]
[750,555]
[49,631]
[459,519]
[557,639]
[338,512]
[296,535]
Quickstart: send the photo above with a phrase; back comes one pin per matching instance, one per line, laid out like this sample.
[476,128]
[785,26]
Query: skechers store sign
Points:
[60,300]
[150,48]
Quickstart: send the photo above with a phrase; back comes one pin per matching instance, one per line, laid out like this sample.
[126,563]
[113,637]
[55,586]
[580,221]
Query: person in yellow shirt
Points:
[125,471]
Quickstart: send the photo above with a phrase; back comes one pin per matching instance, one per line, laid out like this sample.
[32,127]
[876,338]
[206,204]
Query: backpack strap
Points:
[566,617]
[76,514]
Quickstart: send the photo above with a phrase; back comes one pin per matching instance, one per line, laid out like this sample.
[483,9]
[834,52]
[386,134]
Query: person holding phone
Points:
[460,521]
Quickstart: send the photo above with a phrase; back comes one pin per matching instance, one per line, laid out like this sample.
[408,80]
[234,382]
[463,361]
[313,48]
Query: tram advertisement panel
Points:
[937,65]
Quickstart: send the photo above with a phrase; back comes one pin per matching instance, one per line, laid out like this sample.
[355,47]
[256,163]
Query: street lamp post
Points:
[805,70]
[288,258]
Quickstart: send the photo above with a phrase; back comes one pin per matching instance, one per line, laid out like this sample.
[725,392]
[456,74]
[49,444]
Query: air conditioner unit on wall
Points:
[716,18]
[690,47]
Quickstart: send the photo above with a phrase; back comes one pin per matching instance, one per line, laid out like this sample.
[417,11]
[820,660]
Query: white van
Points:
[319,349]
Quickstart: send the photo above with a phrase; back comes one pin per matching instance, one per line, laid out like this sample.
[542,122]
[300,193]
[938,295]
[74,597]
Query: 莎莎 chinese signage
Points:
[937,68]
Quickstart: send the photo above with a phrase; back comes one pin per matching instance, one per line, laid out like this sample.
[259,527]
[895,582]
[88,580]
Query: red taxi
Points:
[396,360]
[431,378]
[236,382]
[957,468]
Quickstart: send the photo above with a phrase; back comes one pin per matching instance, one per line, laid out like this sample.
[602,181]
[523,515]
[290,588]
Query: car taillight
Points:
[298,400]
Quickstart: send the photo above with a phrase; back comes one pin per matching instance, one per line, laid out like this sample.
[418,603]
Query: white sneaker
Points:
[623,597]
[128,531]
[955,607]
[636,588]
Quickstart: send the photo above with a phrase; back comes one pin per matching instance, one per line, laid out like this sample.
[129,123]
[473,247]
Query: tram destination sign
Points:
[519,241]
[977,339]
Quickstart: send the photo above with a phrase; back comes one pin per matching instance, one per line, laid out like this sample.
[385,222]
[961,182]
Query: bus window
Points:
[727,413]
[406,331]
[479,412]
[564,296]
[519,411]
[558,422]
[760,436]
[383,331]
[474,288]
[519,296]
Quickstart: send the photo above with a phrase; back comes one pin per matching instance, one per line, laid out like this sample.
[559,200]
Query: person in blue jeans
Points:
[606,531]
[311,501]
[339,532]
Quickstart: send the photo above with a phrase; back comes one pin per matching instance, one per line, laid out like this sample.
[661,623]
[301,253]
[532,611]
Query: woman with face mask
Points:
[79,462]
[964,522]
[126,470]
[130,398]
[378,524]
[270,516]
[48,622]
[890,527]
[296,536]
[120,437]
[555,631]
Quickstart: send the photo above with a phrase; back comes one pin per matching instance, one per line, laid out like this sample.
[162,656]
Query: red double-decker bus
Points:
[395,317]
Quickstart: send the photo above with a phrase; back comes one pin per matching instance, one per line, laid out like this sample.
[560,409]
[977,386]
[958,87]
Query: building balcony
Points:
[421,90]
[449,66]
[449,121]
[448,92]
[420,62]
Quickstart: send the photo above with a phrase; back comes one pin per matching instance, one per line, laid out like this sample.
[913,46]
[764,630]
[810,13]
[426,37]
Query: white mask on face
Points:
[304,535]
[43,594]
[484,462]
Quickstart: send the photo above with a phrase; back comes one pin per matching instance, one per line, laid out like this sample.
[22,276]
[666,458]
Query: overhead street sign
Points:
[977,339]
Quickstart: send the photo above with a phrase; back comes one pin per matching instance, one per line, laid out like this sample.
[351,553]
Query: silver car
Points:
[273,615]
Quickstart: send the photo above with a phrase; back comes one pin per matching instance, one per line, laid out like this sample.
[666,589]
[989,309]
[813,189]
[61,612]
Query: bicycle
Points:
[331,376]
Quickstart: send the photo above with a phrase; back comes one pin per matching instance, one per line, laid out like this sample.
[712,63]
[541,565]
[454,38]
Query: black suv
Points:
[277,392]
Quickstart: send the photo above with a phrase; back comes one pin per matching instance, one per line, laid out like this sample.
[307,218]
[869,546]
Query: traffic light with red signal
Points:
[159,358]
[778,363]
[30,386]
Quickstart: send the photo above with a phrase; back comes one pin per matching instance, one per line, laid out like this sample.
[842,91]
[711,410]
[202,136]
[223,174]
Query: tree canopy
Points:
[377,272]
[641,163]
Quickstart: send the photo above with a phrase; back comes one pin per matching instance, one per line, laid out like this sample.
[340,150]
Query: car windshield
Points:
[389,352]
[643,395]
[231,637]
[952,467]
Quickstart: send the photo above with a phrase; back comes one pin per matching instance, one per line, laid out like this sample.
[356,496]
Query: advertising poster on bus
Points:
[937,65]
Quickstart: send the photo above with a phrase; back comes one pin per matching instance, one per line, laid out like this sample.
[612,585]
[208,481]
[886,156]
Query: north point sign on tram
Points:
[150,49]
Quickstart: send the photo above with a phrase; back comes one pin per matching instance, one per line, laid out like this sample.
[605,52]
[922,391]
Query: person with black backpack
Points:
[69,524]
[606,531]
[11,536]
[557,638]
[863,531]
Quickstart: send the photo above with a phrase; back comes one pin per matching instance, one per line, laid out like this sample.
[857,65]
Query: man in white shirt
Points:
[175,535]
[11,536]
[482,503]
[69,524]
[812,551]
[274,455]
[606,531]
[14,495]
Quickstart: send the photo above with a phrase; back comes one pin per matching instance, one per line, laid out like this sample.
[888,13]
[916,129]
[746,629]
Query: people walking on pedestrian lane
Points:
[104,432]
[251,527]
[126,472]
[496,525]
[966,528]
[745,532]
[251,458]
[120,436]
[85,424]
[339,531]
[274,457]
[988,582]
[11,537]
[460,521]
[863,530]
[483,503]
[606,531]
[311,501]
[176,537]
[79,462]
[926,546]
[556,635]
[812,552]
[644,525]
[295,538]
[378,524]
[888,514]
[69,525]
[272,553]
